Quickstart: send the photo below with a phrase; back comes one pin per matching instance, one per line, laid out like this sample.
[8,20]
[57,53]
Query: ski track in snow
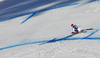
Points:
[54,40]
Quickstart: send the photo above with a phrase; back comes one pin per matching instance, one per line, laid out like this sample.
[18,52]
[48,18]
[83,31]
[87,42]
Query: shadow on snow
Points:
[12,8]
[16,6]
[55,40]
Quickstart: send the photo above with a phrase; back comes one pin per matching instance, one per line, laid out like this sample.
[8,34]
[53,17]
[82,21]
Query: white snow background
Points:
[41,29]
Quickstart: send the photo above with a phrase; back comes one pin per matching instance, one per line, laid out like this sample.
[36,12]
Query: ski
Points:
[82,31]
[89,29]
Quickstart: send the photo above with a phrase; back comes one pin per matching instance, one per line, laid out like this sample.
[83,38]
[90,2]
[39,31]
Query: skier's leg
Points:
[76,31]
[79,30]
[73,33]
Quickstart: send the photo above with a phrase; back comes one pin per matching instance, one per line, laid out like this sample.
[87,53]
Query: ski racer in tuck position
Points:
[76,29]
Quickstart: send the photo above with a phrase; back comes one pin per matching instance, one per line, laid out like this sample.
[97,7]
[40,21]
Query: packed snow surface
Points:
[47,33]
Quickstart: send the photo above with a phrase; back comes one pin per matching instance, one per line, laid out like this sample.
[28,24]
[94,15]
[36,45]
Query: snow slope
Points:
[27,6]
[36,37]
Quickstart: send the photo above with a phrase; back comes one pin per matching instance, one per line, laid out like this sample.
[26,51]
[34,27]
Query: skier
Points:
[76,29]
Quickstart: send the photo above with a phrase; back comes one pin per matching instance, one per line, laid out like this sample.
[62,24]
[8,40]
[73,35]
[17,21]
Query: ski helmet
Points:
[72,24]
